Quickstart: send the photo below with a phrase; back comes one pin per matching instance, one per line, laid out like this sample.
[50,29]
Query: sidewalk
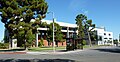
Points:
[52,52]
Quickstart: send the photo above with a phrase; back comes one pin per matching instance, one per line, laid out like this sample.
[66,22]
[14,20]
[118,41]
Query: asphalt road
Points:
[101,54]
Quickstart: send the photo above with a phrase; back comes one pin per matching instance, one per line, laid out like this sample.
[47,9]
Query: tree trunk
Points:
[25,45]
[10,42]
[89,39]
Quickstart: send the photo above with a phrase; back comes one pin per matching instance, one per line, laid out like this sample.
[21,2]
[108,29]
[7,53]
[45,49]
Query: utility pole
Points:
[53,31]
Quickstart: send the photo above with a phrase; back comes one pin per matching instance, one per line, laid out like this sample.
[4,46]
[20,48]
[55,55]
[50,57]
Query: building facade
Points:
[103,37]
[68,30]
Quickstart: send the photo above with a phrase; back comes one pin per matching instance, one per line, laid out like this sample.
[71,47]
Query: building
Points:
[68,31]
[103,37]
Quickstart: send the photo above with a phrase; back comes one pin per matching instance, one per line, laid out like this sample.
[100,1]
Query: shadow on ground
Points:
[111,50]
[37,60]
[61,50]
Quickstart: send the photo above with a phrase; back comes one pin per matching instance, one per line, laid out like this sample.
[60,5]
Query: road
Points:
[101,54]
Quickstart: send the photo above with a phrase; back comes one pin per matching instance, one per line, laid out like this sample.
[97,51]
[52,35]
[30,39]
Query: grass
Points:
[57,48]
[34,49]
[45,48]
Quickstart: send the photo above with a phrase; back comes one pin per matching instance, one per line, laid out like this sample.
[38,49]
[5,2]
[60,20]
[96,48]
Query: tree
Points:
[58,33]
[115,41]
[79,21]
[18,12]
[88,25]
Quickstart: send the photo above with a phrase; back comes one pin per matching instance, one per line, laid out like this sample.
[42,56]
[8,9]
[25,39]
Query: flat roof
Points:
[60,23]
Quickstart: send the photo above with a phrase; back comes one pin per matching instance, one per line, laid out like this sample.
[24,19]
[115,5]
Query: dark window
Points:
[64,28]
[100,38]
[105,38]
[110,38]
[72,29]
[104,33]
[109,34]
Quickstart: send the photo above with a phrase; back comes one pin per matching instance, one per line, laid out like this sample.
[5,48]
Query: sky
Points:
[104,13]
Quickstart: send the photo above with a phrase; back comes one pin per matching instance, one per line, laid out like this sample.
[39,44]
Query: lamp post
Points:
[53,30]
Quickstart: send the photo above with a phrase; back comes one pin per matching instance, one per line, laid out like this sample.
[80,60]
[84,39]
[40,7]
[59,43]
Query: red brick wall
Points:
[61,44]
[45,42]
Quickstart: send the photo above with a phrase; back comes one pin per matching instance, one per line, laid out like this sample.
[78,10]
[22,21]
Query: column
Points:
[67,40]
[68,32]
[36,39]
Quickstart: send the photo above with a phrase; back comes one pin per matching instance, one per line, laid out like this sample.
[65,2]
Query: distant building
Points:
[103,37]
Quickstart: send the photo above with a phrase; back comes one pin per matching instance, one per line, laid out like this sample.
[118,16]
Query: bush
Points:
[40,44]
[4,45]
[84,42]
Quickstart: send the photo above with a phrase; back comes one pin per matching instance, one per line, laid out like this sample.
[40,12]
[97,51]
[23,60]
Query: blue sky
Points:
[103,13]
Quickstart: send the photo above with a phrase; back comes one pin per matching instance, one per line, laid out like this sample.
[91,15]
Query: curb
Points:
[36,53]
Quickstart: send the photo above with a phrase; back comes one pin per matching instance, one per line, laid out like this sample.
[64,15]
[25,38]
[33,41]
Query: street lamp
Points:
[53,30]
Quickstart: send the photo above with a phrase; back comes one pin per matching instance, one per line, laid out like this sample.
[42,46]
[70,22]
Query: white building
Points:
[68,30]
[104,37]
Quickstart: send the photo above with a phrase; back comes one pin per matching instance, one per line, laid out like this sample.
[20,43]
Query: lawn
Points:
[46,48]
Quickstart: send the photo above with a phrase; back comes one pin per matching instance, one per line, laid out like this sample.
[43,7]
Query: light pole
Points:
[53,30]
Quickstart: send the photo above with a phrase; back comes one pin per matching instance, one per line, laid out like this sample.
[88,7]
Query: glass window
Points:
[71,29]
[64,28]
[100,38]
[105,38]
[109,34]
[104,33]
[110,38]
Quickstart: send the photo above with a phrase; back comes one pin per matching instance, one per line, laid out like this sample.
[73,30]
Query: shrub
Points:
[84,42]
[41,43]
[4,45]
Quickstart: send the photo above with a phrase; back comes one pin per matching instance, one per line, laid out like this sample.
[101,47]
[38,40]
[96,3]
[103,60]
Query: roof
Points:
[60,23]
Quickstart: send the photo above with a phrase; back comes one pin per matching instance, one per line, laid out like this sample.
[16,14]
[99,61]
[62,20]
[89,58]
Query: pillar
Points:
[67,40]
[36,39]
[68,32]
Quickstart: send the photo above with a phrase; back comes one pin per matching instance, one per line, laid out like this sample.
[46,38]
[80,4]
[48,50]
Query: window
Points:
[42,33]
[109,34]
[72,29]
[64,28]
[104,33]
[110,38]
[100,38]
[105,38]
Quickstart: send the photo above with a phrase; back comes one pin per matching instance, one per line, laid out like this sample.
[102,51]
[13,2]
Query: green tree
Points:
[89,26]
[79,21]
[115,41]
[58,33]
[18,12]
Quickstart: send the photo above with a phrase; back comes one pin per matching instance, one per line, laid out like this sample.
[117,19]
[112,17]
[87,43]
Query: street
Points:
[100,54]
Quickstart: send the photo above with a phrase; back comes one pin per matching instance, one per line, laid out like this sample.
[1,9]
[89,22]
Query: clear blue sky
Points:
[103,13]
